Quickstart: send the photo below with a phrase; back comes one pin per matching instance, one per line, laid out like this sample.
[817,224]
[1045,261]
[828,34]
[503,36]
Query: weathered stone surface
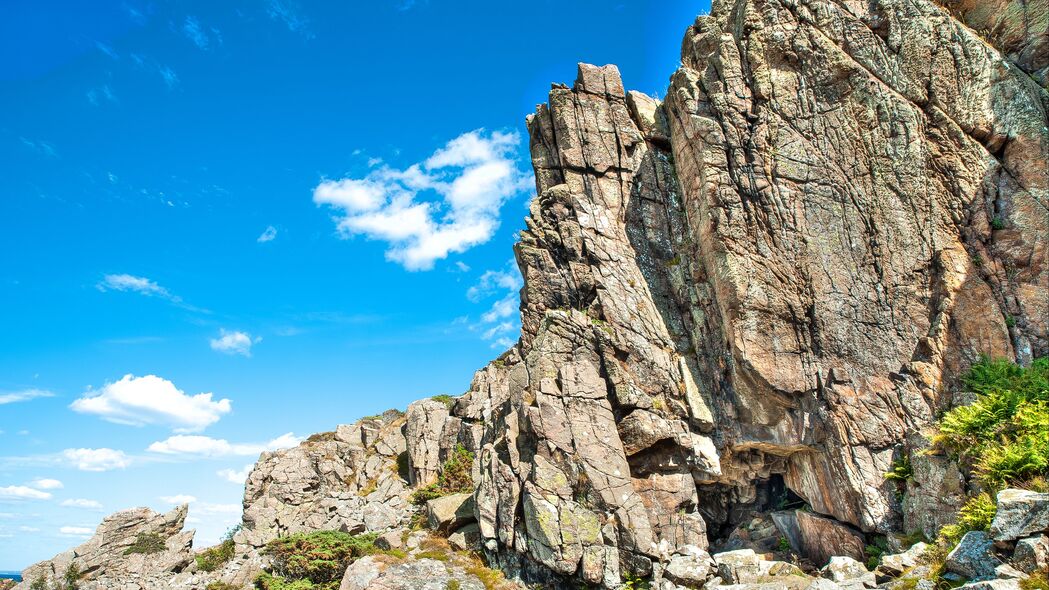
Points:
[774,277]
[466,538]
[1021,513]
[819,538]
[848,573]
[895,564]
[992,585]
[346,480]
[103,559]
[382,573]
[450,512]
[974,557]
[1031,554]
[690,566]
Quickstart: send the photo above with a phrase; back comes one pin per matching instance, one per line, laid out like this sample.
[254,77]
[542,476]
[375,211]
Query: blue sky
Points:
[228,225]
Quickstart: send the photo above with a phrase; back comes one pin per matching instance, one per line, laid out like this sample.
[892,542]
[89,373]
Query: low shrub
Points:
[455,477]
[147,543]
[215,557]
[313,560]
[221,586]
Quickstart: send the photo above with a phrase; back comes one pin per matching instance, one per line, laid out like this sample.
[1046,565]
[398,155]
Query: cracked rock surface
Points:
[758,290]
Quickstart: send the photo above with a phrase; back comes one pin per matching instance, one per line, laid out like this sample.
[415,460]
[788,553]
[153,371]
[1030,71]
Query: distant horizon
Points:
[239,224]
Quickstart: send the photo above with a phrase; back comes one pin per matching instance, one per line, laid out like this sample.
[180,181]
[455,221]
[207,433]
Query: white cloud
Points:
[23,395]
[500,323]
[205,446]
[178,499]
[28,529]
[236,476]
[493,281]
[126,282]
[193,31]
[47,484]
[75,531]
[96,459]
[474,174]
[22,493]
[234,342]
[207,508]
[138,401]
[268,235]
[82,503]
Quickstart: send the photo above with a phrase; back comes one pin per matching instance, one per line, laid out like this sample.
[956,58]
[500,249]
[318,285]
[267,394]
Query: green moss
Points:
[452,585]
[313,560]
[221,586]
[146,543]
[455,477]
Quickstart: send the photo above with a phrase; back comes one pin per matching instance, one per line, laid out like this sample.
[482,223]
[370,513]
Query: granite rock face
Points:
[109,558]
[345,480]
[751,296]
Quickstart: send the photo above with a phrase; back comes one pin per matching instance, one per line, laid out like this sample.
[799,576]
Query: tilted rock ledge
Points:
[757,291]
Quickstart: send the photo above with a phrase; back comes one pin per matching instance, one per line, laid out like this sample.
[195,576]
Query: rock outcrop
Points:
[751,296]
[131,549]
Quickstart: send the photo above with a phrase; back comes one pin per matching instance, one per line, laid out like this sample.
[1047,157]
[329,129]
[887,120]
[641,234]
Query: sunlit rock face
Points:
[750,295]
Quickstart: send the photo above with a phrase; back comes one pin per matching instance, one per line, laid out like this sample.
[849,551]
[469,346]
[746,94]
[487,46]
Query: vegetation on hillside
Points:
[313,561]
[147,543]
[215,557]
[1001,439]
[455,477]
[1004,434]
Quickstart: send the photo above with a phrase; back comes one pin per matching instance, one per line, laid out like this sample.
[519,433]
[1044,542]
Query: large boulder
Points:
[1021,513]
[848,573]
[450,512]
[973,558]
[690,566]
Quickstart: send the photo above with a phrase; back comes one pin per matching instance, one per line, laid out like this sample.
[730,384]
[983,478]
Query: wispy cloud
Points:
[24,395]
[104,93]
[96,459]
[288,13]
[236,476]
[200,37]
[169,76]
[142,286]
[76,531]
[107,50]
[47,484]
[268,235]
[178,499]
[473,175]
[82,503]
[22,493]
[500,323]
[205,446]
[234,342]
[41,147]
[137,401]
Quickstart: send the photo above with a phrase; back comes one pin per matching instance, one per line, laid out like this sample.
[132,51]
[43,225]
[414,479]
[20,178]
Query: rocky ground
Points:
[743,306]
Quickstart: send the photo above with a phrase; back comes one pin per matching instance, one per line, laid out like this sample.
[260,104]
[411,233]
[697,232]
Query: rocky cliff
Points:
[756,293]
